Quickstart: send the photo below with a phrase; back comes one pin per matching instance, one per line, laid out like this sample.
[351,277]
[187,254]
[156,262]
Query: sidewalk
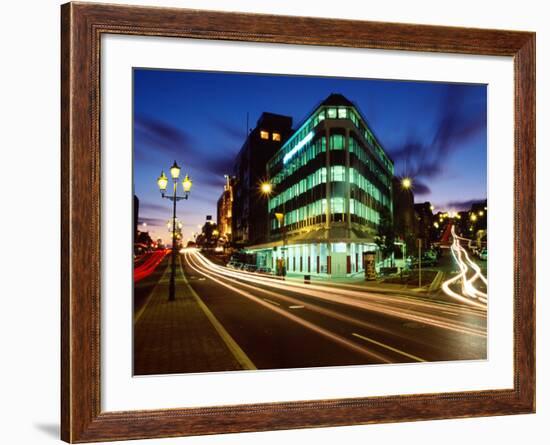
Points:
[426,290]
[183,335]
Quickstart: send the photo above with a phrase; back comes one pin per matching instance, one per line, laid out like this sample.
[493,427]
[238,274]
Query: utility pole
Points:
[419,262]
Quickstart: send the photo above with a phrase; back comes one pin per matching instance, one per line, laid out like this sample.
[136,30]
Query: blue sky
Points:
[435,132]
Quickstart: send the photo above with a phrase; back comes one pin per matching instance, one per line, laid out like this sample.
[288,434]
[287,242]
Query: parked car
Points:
[427,261]
[250,267]
[483,254]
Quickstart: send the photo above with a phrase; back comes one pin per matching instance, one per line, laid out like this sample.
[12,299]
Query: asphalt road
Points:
[283,324]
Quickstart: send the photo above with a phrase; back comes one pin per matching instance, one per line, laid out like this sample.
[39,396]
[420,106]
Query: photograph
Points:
[285,221]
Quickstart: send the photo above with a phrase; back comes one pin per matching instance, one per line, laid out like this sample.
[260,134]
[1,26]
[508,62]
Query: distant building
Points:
[249,218]
[225,209]
[136,217]
[404,217]
[331,180]
[425,220]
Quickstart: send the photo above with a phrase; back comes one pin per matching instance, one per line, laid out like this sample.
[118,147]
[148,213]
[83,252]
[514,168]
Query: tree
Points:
[386,234]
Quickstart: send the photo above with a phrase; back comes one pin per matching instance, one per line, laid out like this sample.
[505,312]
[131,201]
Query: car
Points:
[483,254]
[427,261]
[250,267]
[264,269]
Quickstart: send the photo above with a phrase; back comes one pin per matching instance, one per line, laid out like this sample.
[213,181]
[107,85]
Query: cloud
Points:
[465,205]
[160,135]
[238,134]
[420,188]
[153,137]
[456,125]
[151,207]
[152,221]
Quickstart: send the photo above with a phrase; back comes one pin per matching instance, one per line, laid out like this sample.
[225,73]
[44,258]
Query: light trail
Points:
[367,301]
[296,303]
[470,295]
[365,293]
[318,329]
[150,263]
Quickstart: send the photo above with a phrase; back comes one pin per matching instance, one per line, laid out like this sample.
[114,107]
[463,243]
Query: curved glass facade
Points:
[331,181]
[357,169]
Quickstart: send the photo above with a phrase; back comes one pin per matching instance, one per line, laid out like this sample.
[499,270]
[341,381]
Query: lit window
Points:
[331,113]
[342,113]
[338,173]
[264,134]
[276,136]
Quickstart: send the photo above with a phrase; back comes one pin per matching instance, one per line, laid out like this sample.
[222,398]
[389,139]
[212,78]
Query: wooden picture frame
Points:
[82,26]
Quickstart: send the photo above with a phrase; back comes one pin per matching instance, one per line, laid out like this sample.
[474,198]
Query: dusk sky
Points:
[435,133]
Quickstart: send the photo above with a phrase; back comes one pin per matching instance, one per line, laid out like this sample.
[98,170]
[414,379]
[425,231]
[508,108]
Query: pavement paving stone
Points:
[177,336]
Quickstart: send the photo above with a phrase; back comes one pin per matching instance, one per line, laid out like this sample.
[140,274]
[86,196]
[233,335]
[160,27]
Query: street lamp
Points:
[162,183]
[406,183]
[266,188]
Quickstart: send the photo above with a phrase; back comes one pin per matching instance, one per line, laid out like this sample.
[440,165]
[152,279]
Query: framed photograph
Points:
[275,222]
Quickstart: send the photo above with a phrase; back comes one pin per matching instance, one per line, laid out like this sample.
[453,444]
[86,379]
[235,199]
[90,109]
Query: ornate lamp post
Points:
[186,184]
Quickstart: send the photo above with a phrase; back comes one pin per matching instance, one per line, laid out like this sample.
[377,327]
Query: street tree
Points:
[385,237]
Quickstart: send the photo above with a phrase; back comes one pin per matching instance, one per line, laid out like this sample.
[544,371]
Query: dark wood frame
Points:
[81,27]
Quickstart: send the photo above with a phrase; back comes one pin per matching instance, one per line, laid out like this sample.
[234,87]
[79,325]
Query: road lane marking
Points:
[406,354]
[231,344]
[271,301]
[316,328]
[296,307]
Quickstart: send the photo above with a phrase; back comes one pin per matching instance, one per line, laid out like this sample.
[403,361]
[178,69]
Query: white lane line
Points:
[316,328]
[296,307]
[271,301]
[231,344]
[406,354]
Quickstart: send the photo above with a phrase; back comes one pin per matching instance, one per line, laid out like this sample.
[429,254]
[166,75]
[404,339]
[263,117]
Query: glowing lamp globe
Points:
[175,170]
[162,182]
[187,184]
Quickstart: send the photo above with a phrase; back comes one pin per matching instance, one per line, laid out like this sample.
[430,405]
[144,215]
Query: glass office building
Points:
[331,179]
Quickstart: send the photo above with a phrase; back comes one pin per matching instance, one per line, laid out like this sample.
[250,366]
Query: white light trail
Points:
[307,324]
[470,295]
[410,310]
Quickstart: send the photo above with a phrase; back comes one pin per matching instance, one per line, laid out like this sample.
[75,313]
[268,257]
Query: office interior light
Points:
[297,147]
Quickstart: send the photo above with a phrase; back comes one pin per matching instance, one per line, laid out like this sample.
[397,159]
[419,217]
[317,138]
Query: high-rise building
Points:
[249,221]
[331,180]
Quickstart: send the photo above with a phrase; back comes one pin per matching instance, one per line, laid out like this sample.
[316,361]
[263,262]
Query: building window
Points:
[276,137]
[338,173]
[342,113]
[264,134]
[337,142]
